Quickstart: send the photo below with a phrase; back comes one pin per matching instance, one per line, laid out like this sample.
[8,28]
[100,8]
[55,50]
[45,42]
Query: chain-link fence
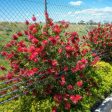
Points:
[13,13]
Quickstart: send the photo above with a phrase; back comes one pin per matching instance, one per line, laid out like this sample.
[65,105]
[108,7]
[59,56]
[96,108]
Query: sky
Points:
[69,10]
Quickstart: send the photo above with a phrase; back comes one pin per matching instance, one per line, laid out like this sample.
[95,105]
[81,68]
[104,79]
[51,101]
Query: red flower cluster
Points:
[81,64]
[75,98]
[48,52]
[101,40]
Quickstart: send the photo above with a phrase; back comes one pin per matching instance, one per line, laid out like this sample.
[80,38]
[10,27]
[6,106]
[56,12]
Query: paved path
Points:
[106,106]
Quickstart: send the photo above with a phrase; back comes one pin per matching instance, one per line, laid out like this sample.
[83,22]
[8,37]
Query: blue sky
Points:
[69,10]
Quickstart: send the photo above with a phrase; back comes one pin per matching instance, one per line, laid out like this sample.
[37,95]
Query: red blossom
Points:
[35,41]
[70,87]
[79,83]
[34,31]
[95,60]
[60,50]
[15,36]
[75,98]
[2,68]
[58,98]
[67,106]
[31,27]
[27,22]
[10,75]
[54,109]
[69,48]
[44,42]
[56,29]
[53,40]
[19,34]
[32,72]
[33,18]
[54,62]
[63,81]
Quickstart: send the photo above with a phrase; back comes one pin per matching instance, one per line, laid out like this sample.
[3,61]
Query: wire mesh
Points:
[13,13]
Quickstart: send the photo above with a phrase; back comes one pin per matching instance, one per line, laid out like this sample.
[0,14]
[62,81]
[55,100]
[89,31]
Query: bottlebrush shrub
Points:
[101,41]
[50,63]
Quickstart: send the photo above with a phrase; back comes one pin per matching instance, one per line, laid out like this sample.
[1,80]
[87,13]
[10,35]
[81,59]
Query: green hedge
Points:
[103,71]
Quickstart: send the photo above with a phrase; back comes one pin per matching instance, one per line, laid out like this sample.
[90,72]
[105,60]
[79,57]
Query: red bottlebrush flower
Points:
[9,56]
[84,61]
[9,75]
[22,49]
[33,18]
[31,27]
[32,72]
[66,97]
[84,52]
[35,60]
[32,49]
[35,41]
[54,109]
[30,37]
[81,75]
[2,68]
[21,44]
[57,37]
[59,50]
[44,42]
[70,87]
[69,48]
[65,68]
[75,69]
[56,29]
[52,40]
[26,32]
[62,83]
[34,31]
[81,64]
[15,66]
[58,98]
[19,34]
[63,77]
[75,98]
[15,37]
[67,106]
[96,59]
[4,53]
[33,56]
[94,54]
[45,33]
[35,70]
[74,34]
[27,22]
[8,45]
[54,62]
[79,83]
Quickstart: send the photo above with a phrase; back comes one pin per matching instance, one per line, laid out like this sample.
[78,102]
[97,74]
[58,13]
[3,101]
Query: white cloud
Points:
[95,11]
[96,14]
[76,3]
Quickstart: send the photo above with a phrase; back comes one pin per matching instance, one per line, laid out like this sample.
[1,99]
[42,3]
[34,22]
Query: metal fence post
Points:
[45,3]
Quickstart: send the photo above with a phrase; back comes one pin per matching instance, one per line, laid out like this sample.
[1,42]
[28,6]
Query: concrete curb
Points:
[106,106]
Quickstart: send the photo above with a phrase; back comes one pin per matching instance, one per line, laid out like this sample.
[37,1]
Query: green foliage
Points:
[32,104]
[105,71]
[102,74]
